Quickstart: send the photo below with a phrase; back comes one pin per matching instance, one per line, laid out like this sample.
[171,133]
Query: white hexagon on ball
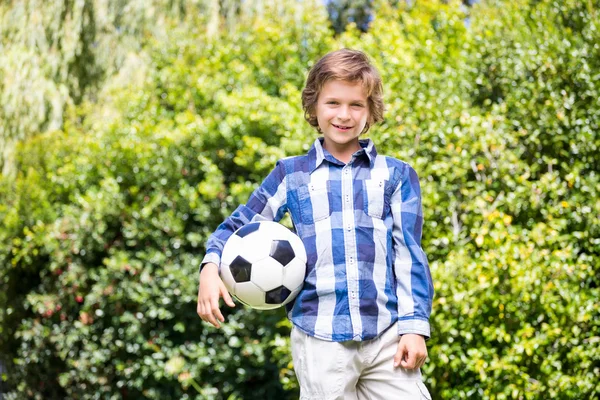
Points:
[229,250]
[249,293]
[267,274]
[293,274]
[254,246]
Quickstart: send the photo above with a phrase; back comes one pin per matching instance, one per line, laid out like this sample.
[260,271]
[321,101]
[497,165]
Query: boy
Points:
[362,317]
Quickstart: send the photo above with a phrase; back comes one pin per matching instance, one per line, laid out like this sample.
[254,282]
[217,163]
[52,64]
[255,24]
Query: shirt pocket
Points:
[374,196]
[314,201]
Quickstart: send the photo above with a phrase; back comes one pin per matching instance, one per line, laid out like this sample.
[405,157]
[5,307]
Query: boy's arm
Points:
[414,286]
[267,202]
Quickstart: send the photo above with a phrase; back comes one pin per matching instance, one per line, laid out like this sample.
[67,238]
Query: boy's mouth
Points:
[343,128]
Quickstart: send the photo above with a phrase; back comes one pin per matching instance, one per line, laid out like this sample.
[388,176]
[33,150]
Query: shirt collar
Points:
[317,154]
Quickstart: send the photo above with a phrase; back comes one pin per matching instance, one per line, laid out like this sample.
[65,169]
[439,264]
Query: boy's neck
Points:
[342,152]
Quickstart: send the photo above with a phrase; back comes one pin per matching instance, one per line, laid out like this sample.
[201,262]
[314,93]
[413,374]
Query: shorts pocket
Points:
[323,366]
[314,202]
[374,198]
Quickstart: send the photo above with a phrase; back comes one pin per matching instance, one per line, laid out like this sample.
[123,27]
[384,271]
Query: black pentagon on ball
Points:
[248,229]
[240,269]
[277,295]
[282,251]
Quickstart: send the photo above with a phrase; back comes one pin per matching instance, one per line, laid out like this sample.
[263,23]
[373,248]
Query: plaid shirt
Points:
[361,225]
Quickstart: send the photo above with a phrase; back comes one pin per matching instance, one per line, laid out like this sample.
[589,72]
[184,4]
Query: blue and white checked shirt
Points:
[361,225]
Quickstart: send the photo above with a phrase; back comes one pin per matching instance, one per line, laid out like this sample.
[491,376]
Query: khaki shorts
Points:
[353,370]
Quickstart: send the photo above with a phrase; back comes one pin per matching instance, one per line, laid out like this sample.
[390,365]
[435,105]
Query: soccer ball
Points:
[263,265]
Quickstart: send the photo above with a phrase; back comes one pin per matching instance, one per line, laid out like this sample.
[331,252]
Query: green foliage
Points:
[106,221]
[59,53]
[104,225]
[503,130]
[344,12]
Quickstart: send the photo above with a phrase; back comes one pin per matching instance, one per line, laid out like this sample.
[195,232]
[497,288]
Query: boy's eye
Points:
[354,105]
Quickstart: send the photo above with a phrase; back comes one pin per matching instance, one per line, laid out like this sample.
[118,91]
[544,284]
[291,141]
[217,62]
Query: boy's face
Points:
[342,113]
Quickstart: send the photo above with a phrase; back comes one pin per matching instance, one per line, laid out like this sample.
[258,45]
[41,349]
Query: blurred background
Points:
[130,129]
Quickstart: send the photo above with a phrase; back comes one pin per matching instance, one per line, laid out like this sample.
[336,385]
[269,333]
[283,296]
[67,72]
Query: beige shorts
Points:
[353,370]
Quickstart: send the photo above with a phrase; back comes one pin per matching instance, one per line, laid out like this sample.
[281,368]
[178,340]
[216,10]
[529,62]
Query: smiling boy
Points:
[362,317]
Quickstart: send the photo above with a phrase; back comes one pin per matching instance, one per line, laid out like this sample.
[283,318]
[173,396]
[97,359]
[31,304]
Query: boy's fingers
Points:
[397,359]
[227,296]
[206,314]
[211,318]
[215,310]
[409,361]
[202,311]
[399,354]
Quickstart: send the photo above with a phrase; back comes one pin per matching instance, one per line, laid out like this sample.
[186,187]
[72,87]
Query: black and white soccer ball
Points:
[263,265]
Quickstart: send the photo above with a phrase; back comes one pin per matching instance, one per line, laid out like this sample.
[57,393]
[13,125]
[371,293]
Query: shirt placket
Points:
[350,242]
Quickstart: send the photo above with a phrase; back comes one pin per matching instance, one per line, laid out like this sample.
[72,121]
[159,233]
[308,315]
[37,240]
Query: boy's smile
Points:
[342,113]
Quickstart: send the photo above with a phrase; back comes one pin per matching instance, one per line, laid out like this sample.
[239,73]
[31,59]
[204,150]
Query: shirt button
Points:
[349,228]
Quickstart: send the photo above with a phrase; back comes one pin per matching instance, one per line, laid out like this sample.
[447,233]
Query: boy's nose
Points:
[343,114]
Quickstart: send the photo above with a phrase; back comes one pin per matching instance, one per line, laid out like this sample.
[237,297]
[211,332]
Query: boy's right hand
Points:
[210,288]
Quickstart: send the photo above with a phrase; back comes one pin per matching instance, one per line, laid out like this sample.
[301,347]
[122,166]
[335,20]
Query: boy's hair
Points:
[344,65]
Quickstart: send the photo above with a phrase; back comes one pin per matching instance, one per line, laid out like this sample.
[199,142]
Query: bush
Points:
[105,225]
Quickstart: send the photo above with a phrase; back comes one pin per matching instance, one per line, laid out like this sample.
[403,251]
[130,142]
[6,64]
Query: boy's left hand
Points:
[412,352]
